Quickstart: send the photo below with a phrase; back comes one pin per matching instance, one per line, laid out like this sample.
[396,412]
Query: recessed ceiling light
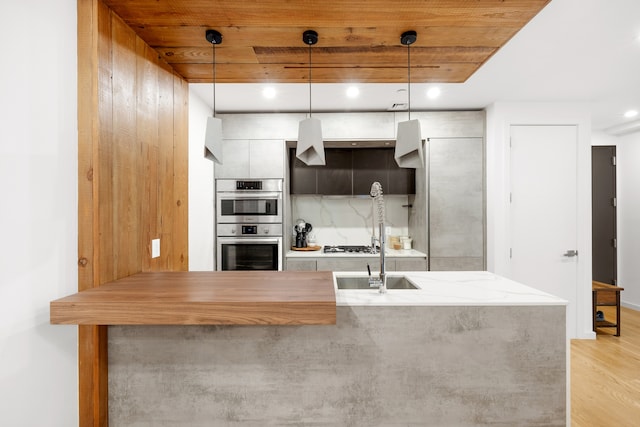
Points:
[353,91]
[630,113]
[269,92]
[433,92]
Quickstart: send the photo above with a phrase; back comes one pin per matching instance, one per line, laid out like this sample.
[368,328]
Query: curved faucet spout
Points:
[376,193]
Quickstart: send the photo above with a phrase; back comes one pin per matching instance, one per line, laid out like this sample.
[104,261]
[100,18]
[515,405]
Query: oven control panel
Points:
[248,185]
[249,230]
[242,186]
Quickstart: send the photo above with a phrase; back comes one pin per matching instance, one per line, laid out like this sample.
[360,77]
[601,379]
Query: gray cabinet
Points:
[355,264]
[411,264]
[256,158]
[300,264]
[352,264]
[456,203]
[235,159]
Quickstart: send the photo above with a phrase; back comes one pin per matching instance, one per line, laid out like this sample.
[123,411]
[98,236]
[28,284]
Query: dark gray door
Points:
[603,210]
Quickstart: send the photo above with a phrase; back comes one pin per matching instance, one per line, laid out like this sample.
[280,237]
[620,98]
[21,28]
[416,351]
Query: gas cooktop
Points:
[347,249]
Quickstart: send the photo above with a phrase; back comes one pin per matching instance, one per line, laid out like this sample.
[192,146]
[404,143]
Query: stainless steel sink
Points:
[362,282]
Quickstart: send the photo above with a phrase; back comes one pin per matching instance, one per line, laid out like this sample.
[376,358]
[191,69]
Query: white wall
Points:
[38,218]
[600,138]
[500,117]
[628,193]
[201,200]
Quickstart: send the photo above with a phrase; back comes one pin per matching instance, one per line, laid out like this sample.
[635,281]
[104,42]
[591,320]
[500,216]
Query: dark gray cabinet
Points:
[303,179]
[371,164]
[351,172]
[336,177]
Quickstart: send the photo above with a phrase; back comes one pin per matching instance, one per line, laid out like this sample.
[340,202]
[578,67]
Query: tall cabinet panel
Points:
[456,203]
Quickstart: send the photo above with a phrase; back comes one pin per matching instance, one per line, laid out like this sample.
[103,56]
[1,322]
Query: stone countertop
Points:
[391,253]
[448,288]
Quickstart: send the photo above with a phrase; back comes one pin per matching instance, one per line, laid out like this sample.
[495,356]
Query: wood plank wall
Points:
[132,168]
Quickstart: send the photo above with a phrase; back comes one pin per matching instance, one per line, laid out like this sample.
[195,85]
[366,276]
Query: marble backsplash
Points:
[344,220]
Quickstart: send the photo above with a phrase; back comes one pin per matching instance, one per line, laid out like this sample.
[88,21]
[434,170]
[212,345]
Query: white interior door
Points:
[543,212]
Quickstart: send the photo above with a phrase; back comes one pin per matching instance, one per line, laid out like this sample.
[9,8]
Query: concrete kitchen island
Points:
[466,349]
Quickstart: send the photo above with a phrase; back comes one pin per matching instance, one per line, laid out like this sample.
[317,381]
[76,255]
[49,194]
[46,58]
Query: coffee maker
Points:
[301,229]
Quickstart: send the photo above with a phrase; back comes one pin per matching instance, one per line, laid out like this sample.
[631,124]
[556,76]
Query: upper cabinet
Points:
[378,164]
[256,158]
[351,171]
[336,176]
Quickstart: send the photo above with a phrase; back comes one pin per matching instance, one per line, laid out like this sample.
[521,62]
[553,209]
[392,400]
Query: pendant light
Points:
[213,135]
[310,148]
[408,152]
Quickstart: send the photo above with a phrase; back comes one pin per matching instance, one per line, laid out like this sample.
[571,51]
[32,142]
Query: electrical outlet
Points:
[155,248]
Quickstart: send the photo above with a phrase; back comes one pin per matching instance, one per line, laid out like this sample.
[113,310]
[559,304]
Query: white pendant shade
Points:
[310,148]
[213,140]
[408,152]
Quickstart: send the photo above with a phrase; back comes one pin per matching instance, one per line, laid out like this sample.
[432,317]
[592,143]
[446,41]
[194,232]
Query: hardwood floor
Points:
[605,375]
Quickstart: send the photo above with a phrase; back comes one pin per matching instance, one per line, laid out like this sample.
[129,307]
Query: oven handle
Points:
[259,240]
[252,195]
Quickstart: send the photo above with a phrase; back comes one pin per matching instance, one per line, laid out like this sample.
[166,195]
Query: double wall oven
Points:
[249,224]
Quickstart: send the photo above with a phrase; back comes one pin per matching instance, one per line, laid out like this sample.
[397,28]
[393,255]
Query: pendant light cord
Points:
[409,79]
[309,80]
[214,79]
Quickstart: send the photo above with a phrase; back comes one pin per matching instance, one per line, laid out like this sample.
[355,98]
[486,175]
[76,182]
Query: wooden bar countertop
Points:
[204,298]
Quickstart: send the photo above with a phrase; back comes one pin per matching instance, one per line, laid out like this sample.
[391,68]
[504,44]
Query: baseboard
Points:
[630,305]
[586,335]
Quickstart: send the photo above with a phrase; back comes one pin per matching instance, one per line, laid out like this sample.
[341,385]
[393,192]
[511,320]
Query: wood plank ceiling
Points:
[359,40]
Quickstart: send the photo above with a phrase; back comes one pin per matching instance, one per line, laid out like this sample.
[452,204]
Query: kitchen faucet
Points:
[381,281]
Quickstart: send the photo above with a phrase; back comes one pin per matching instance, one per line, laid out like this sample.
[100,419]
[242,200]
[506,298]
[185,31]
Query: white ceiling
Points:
[572,51]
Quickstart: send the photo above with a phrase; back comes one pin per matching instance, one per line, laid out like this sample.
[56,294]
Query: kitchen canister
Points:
[405,242]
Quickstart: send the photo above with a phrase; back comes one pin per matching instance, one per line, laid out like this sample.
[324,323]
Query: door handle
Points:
[571,253]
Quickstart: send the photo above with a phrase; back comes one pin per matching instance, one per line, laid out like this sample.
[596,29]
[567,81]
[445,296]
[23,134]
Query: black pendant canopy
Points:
[310,37]
[213,36]
[408,37]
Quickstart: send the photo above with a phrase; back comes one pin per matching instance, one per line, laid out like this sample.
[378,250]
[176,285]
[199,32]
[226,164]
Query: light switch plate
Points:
[155,248]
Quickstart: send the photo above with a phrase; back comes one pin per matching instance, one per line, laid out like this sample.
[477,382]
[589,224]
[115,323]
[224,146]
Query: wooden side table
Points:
[606,295]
